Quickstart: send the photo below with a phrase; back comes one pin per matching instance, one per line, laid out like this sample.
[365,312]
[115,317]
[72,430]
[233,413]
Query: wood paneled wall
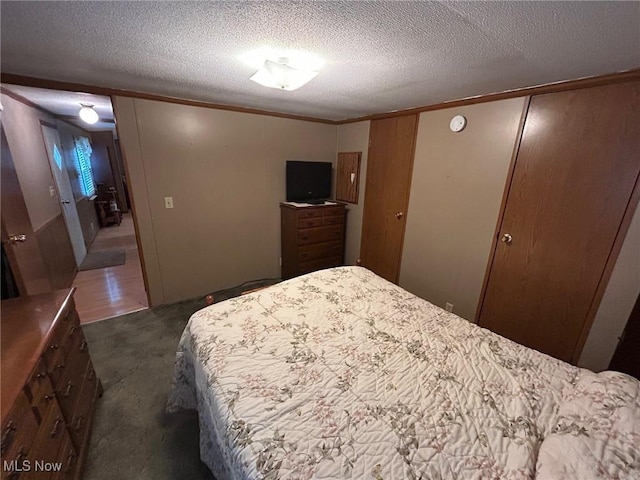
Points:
[57,252]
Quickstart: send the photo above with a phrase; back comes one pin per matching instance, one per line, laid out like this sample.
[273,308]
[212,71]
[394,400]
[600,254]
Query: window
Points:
[83,164]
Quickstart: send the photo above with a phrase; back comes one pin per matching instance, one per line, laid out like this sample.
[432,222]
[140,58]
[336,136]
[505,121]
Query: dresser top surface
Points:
[26,326]
[297,205]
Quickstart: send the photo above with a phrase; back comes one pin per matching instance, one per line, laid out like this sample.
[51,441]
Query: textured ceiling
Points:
[67,105]
[380,56]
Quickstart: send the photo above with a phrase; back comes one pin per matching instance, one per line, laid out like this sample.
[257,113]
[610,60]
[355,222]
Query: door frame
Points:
[132,207]
[632,204]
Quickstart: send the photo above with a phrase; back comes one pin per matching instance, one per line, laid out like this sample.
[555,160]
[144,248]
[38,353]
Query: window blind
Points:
[83,164]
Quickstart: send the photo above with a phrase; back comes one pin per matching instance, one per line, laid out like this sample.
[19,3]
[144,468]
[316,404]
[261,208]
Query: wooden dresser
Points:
[49,388]
[312,237]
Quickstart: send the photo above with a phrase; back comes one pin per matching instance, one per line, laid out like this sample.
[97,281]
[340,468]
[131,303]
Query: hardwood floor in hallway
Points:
[106,292]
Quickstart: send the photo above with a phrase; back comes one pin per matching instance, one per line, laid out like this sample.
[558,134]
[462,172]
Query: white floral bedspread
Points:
[341,374]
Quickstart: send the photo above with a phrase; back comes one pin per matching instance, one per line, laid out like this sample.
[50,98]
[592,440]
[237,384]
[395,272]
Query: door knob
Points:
[399,215]
[66,201]
[507,238]
[17,238]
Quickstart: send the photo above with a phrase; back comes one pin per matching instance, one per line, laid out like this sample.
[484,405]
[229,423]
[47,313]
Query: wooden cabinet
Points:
[312,238]
[49,388]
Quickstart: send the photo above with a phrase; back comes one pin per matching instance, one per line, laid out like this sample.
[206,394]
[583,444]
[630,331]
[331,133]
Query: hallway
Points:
[106,292]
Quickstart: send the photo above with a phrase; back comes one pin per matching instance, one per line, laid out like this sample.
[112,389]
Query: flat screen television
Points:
[308,182]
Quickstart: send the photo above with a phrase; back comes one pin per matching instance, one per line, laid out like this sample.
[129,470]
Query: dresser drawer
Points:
[51,436]
[320,234]
[38,380]
[313,252]
[18,434]
[64,329]
[333,211]
[84,405]
[56,361]
[68,458]
[335,220]
[70,389]
[43,400]
[70,384]
[309,213]
[310,222]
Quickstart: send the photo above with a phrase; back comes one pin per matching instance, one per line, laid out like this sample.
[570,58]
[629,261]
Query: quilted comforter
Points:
[341,374]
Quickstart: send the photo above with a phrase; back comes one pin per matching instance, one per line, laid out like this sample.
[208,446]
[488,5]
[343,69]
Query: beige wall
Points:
[226,173]
[456,190]
[24,135]
[617,303]
[354,137]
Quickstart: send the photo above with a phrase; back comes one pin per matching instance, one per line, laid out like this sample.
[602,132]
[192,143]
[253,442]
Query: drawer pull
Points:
[8,431]
[56,425]
[71,459]
[84,346]
[48,397]
[304,237]
[41,374]
[72,330]
[53,347]
[92,374]
[67,391]
[60,366]
[303,255]
[79,423]
[11,473]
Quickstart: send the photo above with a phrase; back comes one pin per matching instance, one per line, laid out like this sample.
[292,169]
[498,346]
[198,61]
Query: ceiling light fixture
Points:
[282,76]
[88,114]
[282,69]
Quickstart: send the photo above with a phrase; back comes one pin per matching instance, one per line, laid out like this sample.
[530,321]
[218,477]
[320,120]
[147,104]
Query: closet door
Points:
[575,172]
[392,143]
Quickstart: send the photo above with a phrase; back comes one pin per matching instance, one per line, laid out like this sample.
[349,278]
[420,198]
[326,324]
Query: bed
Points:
[341,374]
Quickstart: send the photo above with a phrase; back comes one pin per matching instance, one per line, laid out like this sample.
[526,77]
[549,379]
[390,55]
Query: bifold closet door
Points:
[392,143]
[575,172]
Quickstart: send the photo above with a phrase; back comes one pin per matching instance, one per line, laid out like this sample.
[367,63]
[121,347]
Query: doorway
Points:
[75,177]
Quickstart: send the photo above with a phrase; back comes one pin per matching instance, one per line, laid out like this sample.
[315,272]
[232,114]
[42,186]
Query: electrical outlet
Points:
[168,202]
[449,307]
[52,191]
[280,260]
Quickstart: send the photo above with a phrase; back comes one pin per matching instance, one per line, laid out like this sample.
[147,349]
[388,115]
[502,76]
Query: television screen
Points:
[308,181]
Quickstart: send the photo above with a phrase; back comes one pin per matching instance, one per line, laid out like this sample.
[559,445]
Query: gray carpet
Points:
[103,259]
[133,438]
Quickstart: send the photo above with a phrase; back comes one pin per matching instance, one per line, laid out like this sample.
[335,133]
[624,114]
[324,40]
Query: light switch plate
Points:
[52,191]
[168,202]
[449,307]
